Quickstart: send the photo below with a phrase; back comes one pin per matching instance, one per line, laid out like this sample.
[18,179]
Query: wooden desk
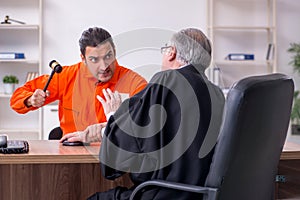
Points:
[289,168]
[52,171]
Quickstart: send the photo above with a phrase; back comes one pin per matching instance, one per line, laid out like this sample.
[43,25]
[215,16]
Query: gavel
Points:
[7,19]
[56,68]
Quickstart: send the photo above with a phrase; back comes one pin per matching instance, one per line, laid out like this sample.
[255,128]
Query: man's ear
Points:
[171,56]
[82,57]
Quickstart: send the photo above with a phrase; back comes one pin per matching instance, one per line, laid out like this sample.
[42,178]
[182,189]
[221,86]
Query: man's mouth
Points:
[104,73]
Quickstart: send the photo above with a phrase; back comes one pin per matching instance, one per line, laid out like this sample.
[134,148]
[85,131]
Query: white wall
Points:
[64,21]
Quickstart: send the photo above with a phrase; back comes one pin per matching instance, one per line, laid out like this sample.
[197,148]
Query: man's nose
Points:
[103,65]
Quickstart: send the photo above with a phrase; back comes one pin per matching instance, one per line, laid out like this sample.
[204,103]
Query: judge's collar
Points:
[183,66]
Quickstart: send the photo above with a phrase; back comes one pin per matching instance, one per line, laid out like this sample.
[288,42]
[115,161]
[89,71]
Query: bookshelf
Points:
[20,38]
[241,27]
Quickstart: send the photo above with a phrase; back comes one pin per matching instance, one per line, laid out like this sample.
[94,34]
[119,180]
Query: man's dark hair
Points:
[93,37]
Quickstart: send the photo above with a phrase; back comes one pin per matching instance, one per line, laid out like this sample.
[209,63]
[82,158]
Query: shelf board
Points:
[2,95]
[19,131]
[19,26]
[243,62]
[241,28]
[29,61]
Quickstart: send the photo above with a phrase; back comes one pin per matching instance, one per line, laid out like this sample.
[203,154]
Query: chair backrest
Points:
[55,134]
[257,113]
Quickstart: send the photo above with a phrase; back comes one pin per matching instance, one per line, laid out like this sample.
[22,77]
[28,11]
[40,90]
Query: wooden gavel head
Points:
[55,66]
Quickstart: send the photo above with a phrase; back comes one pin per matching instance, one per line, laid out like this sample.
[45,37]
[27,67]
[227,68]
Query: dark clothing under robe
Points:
[158,133]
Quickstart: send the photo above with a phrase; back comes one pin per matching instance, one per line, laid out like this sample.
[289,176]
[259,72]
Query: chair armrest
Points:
[211,192]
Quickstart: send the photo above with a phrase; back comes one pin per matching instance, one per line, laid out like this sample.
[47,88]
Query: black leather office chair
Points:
[244,166]
[55,134]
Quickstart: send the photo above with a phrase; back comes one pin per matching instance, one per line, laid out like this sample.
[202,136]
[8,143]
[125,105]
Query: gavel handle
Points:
[50,77]
[13,20]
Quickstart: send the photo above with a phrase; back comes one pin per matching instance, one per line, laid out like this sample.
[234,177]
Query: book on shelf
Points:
[11,55]
[31,75]
[239,56]
[270,52]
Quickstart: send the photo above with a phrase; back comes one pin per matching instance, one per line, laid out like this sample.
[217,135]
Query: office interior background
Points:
[63,22]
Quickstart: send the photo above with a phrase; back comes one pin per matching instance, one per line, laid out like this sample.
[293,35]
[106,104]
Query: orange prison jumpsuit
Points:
[76,89]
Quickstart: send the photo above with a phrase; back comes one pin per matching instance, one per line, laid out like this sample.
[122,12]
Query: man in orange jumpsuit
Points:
[77,86]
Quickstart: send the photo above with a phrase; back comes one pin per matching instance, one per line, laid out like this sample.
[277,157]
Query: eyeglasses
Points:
[164,49]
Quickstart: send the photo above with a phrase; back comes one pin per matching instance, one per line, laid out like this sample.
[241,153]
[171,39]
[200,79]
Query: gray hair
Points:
[192,47]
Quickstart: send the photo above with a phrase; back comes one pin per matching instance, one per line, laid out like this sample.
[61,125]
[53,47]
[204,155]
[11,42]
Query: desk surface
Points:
[23,175]
[51,151]
[290,151]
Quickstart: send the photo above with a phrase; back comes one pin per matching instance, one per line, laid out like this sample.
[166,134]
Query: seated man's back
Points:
[158,133]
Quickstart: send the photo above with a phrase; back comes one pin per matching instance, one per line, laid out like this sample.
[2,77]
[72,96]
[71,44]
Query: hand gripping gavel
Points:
[56,68]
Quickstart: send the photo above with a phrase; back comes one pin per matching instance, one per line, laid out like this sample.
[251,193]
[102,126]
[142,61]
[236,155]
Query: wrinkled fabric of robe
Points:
[158,134]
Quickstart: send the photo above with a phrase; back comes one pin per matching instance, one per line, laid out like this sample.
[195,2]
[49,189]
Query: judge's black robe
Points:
[153,142]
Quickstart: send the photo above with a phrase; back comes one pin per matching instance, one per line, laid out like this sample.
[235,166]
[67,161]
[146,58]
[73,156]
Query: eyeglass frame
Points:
[164,48]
